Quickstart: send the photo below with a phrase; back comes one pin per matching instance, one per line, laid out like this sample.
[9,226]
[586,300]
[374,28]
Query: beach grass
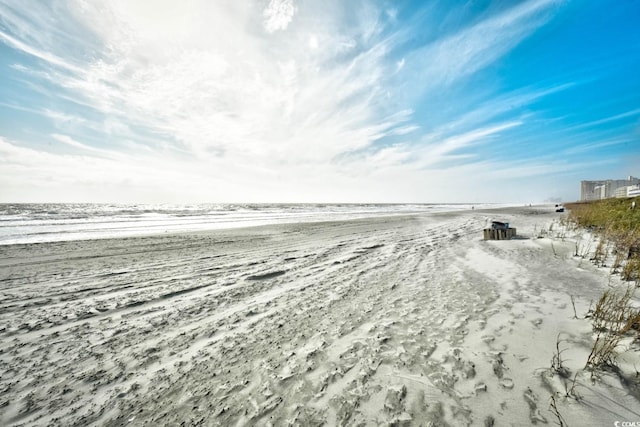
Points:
[613,317]
[617,224]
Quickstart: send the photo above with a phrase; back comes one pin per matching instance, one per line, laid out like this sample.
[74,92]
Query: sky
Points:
[192,101]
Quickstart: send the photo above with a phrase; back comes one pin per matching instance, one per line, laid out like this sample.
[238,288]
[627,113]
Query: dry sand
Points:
[408,320]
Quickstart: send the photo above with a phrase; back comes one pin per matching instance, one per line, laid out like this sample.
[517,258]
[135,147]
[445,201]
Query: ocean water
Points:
[34,223]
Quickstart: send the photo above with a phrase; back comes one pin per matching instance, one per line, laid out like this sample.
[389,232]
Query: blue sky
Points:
[308,101]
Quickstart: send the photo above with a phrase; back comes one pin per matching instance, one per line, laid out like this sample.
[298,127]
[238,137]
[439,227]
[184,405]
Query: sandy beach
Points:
[405,320]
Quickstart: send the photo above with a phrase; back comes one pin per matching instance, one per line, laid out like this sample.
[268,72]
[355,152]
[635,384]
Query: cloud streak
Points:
[265,92]
[463,53]
[253,104]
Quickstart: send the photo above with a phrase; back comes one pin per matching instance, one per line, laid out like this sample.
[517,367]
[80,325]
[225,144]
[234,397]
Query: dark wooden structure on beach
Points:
[499,231]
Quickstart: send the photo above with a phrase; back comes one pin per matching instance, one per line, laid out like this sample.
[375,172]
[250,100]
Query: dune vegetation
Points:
[617,225]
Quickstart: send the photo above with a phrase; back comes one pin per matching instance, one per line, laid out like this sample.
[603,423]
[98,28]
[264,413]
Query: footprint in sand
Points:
[498,366]
[394,401]
[488,339]
[506,383]
[480,387]
[534,412]
[490,421]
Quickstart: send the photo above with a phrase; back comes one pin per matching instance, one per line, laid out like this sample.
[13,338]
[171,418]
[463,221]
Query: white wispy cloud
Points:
[439,150]
[463,53]
[254,92]
[591,146]
[609,119]
[213,101]
[45,56]
[66,139]
[278,14]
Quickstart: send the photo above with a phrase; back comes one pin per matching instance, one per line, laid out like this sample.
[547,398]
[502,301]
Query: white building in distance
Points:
[597,190]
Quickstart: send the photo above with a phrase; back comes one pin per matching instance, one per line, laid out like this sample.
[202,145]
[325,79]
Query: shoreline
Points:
[397,319]
[241,228]
[66,223]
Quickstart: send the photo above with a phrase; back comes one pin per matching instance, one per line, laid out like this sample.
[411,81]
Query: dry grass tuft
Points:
[631,270]
[612,317]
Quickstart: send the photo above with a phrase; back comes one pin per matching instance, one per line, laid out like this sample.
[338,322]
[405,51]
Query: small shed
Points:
[499,231]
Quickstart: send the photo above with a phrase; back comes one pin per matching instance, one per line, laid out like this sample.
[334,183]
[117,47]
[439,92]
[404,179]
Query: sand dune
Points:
[408,320]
